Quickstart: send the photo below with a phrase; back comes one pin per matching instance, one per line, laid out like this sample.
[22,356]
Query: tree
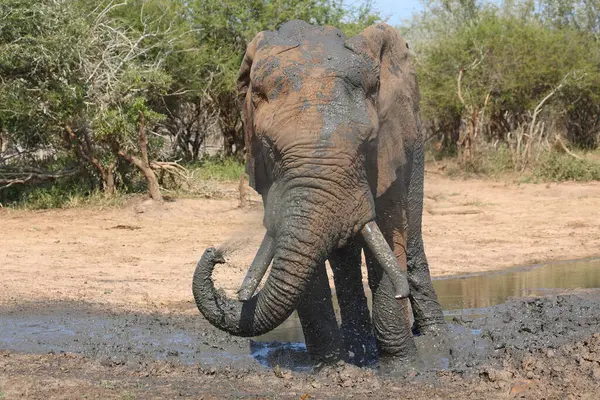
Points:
[474,58]
[75,76]
[78,76]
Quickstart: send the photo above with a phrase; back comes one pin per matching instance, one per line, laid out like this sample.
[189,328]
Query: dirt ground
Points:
[132,266]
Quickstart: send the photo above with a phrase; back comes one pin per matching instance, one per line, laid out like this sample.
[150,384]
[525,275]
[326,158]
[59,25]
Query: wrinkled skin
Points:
[334,142]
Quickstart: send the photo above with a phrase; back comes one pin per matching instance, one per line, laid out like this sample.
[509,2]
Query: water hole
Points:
[472,294]
[124,338]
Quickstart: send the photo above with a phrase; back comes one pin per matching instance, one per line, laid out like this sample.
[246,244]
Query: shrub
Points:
[555,166]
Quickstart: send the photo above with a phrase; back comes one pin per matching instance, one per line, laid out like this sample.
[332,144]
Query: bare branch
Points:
[459,87]
[28,175]
[143,139]
[566,150]
[538,108]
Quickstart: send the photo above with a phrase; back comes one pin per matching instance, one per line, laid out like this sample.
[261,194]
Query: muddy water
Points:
[129,338]
[116,338]
[471,294]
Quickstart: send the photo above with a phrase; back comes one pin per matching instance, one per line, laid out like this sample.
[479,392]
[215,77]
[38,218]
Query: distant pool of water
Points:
[470,294]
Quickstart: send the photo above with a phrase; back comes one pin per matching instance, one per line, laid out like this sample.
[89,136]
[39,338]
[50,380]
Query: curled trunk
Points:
[298,253]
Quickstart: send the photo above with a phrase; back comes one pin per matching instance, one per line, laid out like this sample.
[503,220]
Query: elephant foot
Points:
[433,327]
[394,356]
[362,352]
[319,363]
[434,342]
[326,354]
[329,358]
[360,344]
[405,366]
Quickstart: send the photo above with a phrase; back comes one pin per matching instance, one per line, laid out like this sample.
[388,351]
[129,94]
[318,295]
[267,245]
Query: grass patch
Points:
[563,167]
[41,198]
[107,385]
[548,166]
[202,180]
[217,169]
[487,162]
[69,192]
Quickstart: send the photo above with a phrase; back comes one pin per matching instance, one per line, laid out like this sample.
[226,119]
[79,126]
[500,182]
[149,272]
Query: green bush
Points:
[557,166]
[511,57]
[486,161]
[218,169]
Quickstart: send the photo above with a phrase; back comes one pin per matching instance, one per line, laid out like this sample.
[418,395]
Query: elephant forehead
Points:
[321,118]
[289,68]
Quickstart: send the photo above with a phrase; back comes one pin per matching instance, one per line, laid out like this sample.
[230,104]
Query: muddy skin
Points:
[69,350]
[356,327]
[334,143]
[257,269]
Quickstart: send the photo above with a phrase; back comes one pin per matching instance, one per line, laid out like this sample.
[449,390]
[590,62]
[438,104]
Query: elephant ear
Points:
[244,86]
[397,99]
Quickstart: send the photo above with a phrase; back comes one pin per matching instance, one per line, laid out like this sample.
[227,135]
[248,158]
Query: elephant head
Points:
[328,121]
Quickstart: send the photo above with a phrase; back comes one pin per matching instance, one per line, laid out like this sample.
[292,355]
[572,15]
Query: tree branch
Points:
[30,175]
[84,153]
[538,108]
[143,139]
[566,150]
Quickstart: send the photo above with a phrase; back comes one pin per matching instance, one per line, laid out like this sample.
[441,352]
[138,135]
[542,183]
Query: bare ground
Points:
[138,260]
[142,255]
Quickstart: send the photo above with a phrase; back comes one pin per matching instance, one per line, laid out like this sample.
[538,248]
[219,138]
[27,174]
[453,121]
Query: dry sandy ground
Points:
[131,267]
[141,256]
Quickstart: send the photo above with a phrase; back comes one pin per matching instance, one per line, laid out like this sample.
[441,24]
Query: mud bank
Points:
[529,348]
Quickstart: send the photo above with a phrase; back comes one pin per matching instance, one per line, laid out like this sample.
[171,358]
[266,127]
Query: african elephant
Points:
[334,147]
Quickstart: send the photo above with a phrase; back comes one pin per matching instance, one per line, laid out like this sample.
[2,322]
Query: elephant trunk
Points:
[298,252]
[374,240]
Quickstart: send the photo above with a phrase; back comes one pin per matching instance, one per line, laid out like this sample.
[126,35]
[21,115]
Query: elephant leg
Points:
[319,325]
[357,329]
[426,308]
[390,315]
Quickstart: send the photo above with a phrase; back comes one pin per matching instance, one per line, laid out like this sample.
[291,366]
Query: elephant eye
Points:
[373,90]
[258,97]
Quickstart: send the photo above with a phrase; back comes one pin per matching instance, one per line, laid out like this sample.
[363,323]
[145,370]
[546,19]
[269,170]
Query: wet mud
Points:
[533,347]
[119,338]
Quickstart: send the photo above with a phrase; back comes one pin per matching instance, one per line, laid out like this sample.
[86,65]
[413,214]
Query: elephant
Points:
[335,149]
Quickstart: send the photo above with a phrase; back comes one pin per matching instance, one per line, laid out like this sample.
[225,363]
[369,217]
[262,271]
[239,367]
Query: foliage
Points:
[219,169]
[511,56]
[78,79]
[75,75]
[555,166]
[39,51]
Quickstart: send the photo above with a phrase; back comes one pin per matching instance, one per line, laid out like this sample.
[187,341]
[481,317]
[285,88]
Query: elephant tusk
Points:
[258,268]
[386,258]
